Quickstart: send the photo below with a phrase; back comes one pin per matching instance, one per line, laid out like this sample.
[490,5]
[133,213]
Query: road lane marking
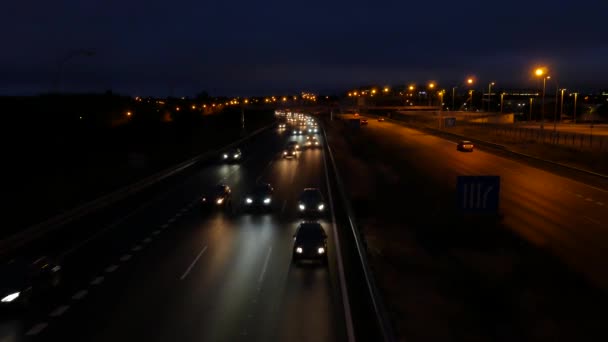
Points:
[111,268]
[171,220]
[80,294]
[97,280]
[164,226]
[591,220]
[36,329]
[125,257]
[156,232]
[579,195]
[147,240]
[350,330]
[136,248]
[264,267]
[599,203]
[59,311]
[179,214]
[183,210]
[588,199]
[192,264]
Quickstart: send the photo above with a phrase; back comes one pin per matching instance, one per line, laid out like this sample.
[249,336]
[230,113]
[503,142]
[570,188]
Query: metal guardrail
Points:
[379,309]
[40,229]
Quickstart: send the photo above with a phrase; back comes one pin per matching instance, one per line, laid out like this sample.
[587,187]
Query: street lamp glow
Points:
[373,91]
[431,85]
[129,113]
[386,89]
[411,87]
[539,71]
[193,107]
[470,81]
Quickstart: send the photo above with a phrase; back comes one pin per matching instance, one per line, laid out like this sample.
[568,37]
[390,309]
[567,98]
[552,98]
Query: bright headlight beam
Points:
[321,250]
[299,250]
[249,200]
[266,200]
[321,206]
[302,206]
[11,297]
[225,156]
[220,201]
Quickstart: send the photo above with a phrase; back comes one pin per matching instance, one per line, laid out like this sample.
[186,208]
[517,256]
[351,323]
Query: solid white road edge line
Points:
[36,329]
[264,267]
[192,264]
[59,311]
[350,331]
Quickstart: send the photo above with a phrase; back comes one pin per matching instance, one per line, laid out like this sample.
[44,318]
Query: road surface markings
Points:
[147,240]
[171,220]
[97,281]
[192,264]
[599,203]
[156,232]
[164,226]
[579,195]
[80,294]
[136,248]
[178,214]
[257,180]
[588,199]
[283,207]
[125,257]
[59,311]
[264,267]
[111,268]
[592,220]
[36,329]
[184,210]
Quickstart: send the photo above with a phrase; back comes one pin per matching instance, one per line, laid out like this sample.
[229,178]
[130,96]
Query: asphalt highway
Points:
[164,271]
[568,217]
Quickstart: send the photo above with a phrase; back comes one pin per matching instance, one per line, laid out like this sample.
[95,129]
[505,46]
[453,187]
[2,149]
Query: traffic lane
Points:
[127,237]
[541,206]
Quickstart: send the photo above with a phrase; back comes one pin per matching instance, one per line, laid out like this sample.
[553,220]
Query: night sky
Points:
[262,47]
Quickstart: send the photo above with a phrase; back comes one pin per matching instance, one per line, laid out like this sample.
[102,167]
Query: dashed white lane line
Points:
[591,220]
[125,257]
[36,329]
[97,281]
[599,203]
[156,232]
[59,311]
[588,199]
[80,294]
[264,267]
[183,210]
[147,240]
[192,264]
[111,268]
[136,248]
[171,220]
[164,226]
[579,195]
[179,214]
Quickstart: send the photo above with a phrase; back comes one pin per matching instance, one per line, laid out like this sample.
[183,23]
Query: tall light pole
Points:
[575,97]
[470,83]
[502,95]
[530,115]
[540,72]
[431,87]
[453,97]
[63,62]
[561,106]
[490,94]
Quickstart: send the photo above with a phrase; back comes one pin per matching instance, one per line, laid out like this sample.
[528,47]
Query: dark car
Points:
[363,121]
[465,146]
[310,243]
[23,281]
[312,142]
[380,119]
[220,196]
[293,144]
[290,153]
[260,197]
[311,202]
[232,155]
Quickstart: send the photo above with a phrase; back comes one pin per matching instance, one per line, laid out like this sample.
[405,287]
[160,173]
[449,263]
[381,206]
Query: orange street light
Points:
[177,109]
[431,85]
[193,107]
[411,87]
[470,81]
[386,89]
[129,113]
[539,71]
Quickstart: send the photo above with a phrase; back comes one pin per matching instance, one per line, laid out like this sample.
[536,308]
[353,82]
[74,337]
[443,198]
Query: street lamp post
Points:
[453,97]
[502,95]
[530,115]
[575,97]
[561,106]
[490,94]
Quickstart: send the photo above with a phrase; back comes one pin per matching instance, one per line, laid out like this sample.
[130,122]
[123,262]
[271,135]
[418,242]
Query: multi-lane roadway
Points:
[164,271]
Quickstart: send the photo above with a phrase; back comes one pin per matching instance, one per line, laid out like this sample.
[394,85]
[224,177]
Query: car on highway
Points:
[297,131]
[290,152]
[260,197]
[310,243]
[313,130]
[25,281]
[312,142]
[363,121]
[465,146]
[311,202]
[282,126]
[232,155]
[380,119]
[293,144]
[219,196]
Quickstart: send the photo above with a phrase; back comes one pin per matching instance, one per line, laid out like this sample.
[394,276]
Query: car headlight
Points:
[297,146]
[220,201]
[295,132]
[249,200]
[284,152]
[302,206]
[204,199]
[299,250]
[316,143]
[267,200]
[11,297]
[236,156]
[321,250]
[225,156]
[321,206]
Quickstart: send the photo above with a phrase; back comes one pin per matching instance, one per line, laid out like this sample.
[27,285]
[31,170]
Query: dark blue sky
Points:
[261,47]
